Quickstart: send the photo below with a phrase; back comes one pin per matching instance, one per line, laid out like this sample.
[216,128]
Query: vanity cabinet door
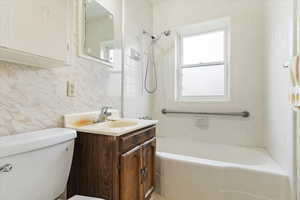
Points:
[148,172]
[130,175]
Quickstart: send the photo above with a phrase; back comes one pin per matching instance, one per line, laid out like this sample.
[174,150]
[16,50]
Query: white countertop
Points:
[82,122]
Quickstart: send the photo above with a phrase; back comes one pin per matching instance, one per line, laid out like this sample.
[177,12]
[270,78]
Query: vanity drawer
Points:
[132,140]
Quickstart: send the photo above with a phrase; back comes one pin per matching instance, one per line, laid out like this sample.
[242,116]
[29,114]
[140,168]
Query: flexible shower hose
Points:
[151,62]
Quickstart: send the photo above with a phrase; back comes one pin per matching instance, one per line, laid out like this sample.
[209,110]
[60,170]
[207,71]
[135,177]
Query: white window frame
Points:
[198,29]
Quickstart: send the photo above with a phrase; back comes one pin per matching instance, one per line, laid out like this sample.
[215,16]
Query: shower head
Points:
[157,37]
[167,33]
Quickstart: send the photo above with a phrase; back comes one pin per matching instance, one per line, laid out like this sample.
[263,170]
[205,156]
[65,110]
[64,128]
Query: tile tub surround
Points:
[246,71]
[137,16]
[33,98]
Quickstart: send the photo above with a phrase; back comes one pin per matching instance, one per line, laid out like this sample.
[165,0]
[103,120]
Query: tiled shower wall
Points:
[137,17]
[246,72]
[33,98]
[278,115]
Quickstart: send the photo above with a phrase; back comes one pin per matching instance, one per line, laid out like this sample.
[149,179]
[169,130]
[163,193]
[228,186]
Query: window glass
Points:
[203,62]
[203,48]
[203,81]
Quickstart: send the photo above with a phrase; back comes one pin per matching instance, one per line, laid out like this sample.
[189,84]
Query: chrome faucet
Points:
[104,114]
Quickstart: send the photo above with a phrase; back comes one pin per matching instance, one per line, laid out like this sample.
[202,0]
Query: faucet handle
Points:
[104,109]
[108,113]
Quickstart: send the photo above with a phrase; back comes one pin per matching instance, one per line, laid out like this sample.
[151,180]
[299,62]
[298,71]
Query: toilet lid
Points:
[77,197]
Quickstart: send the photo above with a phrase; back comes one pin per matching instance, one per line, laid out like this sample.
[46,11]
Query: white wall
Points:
[137,16]
[278,113]
[246,72]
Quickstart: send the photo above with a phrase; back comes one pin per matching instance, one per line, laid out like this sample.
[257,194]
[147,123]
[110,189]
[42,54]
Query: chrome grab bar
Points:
[6,168]
[244,114]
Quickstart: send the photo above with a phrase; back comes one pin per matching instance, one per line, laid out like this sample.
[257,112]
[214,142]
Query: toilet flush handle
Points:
[6,168]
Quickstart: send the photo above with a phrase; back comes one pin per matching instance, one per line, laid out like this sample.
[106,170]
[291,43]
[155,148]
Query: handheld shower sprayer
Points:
[151,62]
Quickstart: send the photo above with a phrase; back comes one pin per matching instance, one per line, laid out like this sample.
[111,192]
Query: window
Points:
[203,62]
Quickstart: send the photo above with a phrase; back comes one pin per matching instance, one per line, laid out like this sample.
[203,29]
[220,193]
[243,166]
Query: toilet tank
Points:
[37,164]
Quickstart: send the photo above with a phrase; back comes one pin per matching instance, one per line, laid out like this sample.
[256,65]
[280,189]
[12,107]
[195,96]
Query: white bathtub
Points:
[188,170]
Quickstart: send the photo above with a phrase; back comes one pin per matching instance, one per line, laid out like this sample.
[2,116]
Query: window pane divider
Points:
[203,64]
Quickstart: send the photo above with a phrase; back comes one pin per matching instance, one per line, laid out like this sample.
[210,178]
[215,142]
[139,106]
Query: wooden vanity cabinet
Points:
[114,168]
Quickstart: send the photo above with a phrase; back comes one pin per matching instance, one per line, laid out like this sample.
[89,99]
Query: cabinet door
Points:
[148,172]
[130,175]
[38,27]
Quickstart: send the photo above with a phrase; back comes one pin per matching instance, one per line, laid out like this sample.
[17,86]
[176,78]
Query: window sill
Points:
[202,99]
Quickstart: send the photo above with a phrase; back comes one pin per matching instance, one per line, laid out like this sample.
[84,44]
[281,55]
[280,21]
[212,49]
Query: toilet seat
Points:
[77,197]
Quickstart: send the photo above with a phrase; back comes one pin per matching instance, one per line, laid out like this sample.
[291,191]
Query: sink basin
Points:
[83,122]
[121,124]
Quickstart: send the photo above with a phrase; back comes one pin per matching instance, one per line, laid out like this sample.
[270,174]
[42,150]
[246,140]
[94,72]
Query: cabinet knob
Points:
[144,173]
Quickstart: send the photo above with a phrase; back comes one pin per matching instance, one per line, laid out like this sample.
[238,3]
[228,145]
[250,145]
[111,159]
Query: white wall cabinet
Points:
[35,32]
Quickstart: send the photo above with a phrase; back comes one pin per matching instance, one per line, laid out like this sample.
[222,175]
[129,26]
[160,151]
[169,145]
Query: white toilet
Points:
[36,165]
